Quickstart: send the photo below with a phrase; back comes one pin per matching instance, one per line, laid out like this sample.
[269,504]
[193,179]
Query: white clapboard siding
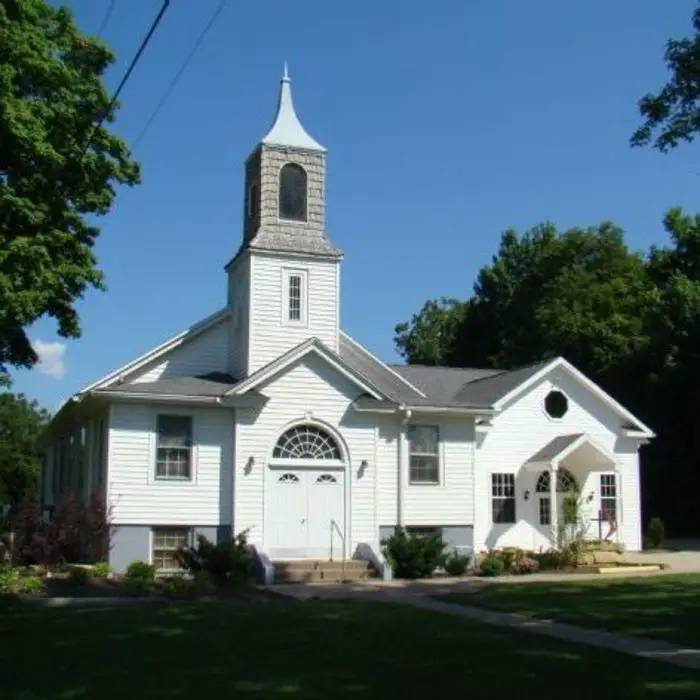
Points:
[518,433]
[138,498]
[269,337]
[308,390]
[239,305]
[207,352]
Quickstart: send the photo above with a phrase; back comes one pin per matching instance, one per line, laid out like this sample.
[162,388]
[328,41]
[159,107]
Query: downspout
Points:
[401,455]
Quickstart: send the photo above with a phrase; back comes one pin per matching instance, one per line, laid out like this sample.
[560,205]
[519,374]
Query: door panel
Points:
[326,501]
[287,507]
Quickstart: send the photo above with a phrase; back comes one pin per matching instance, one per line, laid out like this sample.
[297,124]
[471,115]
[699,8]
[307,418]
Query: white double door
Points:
[305,511]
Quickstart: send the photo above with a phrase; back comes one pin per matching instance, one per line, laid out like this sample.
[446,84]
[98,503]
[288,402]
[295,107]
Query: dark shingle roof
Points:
[554,447]
[213,384]
[467,387]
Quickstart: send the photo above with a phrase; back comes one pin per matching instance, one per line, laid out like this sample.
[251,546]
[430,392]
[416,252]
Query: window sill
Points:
[179,479]
[424,483]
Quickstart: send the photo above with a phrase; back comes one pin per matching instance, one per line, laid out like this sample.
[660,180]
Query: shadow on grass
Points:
[301,650]
[663,607]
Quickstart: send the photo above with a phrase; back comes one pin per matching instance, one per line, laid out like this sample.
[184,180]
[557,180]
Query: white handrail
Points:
[335,527]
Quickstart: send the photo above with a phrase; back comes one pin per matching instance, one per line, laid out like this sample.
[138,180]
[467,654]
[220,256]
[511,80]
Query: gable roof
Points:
[207,385]
[170,344]
[560,447]
[312,345]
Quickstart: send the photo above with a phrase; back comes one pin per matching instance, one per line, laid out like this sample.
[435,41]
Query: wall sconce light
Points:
[526,495]
[249,465]
[363,468]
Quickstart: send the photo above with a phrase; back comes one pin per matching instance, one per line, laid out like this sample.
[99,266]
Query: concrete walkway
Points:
[418,594]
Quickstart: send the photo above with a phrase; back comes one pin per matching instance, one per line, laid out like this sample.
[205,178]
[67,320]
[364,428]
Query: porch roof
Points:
[563,446]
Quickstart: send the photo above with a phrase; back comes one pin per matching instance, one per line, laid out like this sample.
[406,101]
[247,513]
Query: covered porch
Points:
[571,485]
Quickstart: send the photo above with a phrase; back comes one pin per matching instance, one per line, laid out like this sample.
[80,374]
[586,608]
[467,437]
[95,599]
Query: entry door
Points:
[300,507]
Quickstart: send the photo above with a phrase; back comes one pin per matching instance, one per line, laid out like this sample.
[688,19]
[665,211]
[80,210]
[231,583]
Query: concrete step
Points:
[315,570]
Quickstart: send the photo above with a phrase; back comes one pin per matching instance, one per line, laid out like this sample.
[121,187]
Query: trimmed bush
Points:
[493,565]
[656,533]
[179,587]
[140,571]
[101,570]
[79,575]
[228,562]
[9,578]
[525,565]
[136,586]
[457,564]
[31,585]
[414,556]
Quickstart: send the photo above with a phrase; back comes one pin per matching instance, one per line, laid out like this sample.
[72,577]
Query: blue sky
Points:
[445,124]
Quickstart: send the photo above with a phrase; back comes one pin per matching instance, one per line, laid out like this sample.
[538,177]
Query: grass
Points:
[664,607]
[302,650]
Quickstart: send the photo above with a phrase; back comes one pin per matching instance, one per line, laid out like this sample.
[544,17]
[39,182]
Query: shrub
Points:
[140,571]
[31,585]
[136,586]
[79,575]
[413,556]
[179,587]
[656,533]
[457,564]
[101,570]
[204,583]
[525,565]
[9,578]
[549,560]
[492,565]
[227,562]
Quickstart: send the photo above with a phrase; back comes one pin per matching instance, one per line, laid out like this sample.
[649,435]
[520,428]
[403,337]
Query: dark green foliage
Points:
[656,533]
[79,575]
[227,562]
[57,171]
[549,560]
[672,115]
[140,571]
[413,556]
[630,322]
[492,565]
[457,564]
[22,424]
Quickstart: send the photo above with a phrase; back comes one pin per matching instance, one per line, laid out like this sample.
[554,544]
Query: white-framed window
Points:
[608,497]
[165,543]
[424,454]
[503,498]
[173,447]
[294,297]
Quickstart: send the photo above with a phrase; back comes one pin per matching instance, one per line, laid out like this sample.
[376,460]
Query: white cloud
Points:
[51,358]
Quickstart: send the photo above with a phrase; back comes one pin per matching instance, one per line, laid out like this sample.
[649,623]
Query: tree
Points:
[58,169]
[22,424]
[672,115]
[430,334]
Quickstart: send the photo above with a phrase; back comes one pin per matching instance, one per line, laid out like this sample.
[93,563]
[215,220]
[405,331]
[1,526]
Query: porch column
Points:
[553,506]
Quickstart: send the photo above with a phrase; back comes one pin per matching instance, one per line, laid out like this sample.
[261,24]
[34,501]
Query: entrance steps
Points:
[320,570]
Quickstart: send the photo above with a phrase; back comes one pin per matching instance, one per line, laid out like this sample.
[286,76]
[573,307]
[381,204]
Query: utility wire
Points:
[180,72]
[107,17]
[127,75]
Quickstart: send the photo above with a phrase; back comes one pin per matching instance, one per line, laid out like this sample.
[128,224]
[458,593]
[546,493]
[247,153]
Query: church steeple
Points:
[286,130]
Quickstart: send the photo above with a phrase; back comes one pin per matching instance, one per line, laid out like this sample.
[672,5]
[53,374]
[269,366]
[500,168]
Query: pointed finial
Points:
[285,77]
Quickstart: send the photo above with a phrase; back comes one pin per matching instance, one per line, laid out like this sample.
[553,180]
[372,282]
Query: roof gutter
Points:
[146,396]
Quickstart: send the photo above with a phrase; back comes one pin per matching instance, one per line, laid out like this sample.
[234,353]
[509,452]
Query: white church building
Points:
[267,417]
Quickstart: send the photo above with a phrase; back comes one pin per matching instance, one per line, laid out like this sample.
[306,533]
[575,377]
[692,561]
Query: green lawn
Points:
[288,649]
[664,607]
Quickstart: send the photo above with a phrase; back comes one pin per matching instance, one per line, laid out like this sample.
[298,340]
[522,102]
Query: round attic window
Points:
[556,404]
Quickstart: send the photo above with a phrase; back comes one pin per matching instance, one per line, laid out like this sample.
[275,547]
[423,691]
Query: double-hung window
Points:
[166,543]
[424,450]
[294,298]
[503,498]
[608,497]
[174,447]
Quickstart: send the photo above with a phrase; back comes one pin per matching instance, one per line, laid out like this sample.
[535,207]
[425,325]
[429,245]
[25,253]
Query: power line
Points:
[127,75]
[179,74]
[107,17]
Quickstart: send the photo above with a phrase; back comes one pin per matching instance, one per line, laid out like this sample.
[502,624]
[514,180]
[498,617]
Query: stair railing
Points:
[336,528]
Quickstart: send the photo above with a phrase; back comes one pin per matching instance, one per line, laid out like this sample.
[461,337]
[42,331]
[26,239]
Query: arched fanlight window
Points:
[565,482]
[292,192]
[306,442]
[326,479]
[288,479]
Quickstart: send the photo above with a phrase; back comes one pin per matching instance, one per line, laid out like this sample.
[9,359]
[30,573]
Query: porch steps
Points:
[320,570]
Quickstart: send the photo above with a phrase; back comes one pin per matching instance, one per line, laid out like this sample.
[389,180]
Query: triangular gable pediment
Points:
[632,424]
[310,347]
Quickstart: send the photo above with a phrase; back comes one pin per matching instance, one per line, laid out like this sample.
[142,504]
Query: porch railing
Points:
[336,528]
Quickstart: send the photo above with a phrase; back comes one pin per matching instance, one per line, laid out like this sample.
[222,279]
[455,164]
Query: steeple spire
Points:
[287,129]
